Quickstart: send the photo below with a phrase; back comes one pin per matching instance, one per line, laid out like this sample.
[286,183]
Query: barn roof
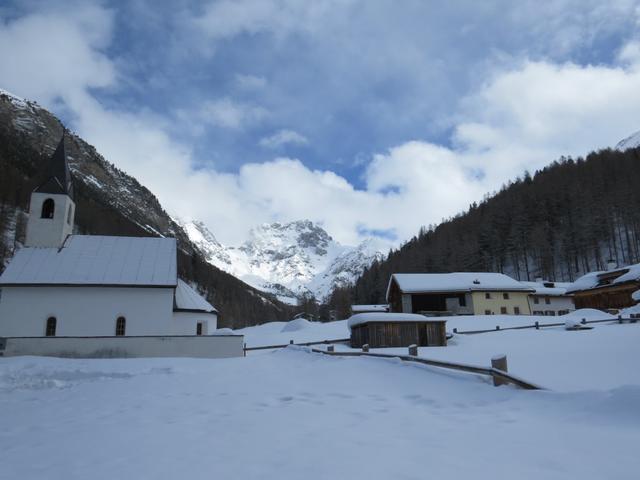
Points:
[96,260]
[370,317]
[188,300]
[609,277]
[455,282]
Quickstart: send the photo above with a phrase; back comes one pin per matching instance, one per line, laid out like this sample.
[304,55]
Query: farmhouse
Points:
[461,293]
[396,330]
[612,289]
[549,298]
[65,285]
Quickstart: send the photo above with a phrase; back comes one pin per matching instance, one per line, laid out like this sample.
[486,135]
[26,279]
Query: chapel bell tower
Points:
[52,209]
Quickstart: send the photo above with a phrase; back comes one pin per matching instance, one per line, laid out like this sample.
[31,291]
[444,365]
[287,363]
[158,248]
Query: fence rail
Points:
[631,319]
[489,371]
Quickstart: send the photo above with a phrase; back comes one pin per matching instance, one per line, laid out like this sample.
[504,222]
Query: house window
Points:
[487,295]
[69,215]
[487,312]
[538,312]
[121,326]
[48,207]
[550,313]
[516,310]
[536,300]
[199,328]
[503,310]
[547,300]
[50,331]
[505,296]
[563,312]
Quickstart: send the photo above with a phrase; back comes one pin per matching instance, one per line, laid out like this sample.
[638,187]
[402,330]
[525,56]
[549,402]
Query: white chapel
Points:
[61,284]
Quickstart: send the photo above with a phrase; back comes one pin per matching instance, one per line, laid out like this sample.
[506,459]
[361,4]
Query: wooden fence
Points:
[504,377]
[633,318]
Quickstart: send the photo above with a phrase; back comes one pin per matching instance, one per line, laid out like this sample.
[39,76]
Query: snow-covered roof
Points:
[548,288]
[360,318]
[187,299]
[601,279]
[369,308]
[96,260]
[455,282]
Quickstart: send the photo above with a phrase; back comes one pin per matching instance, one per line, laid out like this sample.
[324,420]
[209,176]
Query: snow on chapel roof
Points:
[187,299]
[96,260]
[455,282]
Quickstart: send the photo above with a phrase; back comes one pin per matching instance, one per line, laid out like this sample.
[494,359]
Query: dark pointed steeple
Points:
[58,177]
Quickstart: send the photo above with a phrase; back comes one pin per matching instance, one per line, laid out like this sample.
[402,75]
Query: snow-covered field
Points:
[293,414]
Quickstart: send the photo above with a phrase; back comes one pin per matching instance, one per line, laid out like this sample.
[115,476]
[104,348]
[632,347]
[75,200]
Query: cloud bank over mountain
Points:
[356,117]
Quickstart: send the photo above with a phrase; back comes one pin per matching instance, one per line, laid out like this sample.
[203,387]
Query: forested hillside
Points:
[109,202]
[567,219]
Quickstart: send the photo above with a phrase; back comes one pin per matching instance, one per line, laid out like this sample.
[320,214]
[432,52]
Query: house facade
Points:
[65,285]
[550,298]
[460,293]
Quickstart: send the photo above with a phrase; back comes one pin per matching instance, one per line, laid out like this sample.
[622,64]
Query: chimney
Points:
[611,264]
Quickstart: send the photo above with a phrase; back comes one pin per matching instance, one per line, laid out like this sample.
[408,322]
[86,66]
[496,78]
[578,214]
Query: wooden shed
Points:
[380,330]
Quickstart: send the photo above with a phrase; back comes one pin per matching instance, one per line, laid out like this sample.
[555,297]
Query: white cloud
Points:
[52,56]
[250,82]
[283,137]
[228,113]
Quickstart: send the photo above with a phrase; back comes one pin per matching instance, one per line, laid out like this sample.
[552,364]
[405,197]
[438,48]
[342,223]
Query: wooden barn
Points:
[612,289]
[380,330]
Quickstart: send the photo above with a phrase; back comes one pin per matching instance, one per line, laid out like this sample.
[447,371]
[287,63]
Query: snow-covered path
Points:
[291,414]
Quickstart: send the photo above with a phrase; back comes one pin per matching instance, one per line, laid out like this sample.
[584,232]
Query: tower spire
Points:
[58,176]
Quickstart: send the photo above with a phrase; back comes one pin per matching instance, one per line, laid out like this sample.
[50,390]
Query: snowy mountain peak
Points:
[632,141]
[290,259]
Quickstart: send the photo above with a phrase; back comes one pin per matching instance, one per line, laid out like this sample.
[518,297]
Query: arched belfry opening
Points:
[48,208]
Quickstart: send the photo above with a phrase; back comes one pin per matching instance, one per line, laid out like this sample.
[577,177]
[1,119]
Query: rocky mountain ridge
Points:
[290,260]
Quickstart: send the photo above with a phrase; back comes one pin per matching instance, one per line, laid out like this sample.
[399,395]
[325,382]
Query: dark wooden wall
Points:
[398,334]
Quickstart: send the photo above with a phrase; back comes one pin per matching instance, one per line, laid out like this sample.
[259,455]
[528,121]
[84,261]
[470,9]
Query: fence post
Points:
[244,350]
[290,342]
[499,362]
[537,325]
[619,318]
[365,347]
[497,327]
[413,350]
[584,321]
[455,330]
[330,348]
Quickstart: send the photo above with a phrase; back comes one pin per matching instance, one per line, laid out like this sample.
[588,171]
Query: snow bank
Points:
[292,414]
[295,325]
[636,295]
[223,331]
[589,314]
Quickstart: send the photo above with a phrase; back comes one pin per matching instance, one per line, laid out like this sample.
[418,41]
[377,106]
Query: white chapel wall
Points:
[85,311]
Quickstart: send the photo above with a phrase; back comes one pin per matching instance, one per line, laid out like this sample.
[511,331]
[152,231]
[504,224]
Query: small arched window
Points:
[69,215]
[48,207]
[51,327]
[121,325]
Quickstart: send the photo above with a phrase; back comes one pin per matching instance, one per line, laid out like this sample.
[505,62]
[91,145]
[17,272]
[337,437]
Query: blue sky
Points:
[354,114]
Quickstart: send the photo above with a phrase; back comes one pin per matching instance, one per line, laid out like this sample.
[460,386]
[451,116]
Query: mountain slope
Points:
[568,219]
[632,141]
[290,260]
[109,202]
